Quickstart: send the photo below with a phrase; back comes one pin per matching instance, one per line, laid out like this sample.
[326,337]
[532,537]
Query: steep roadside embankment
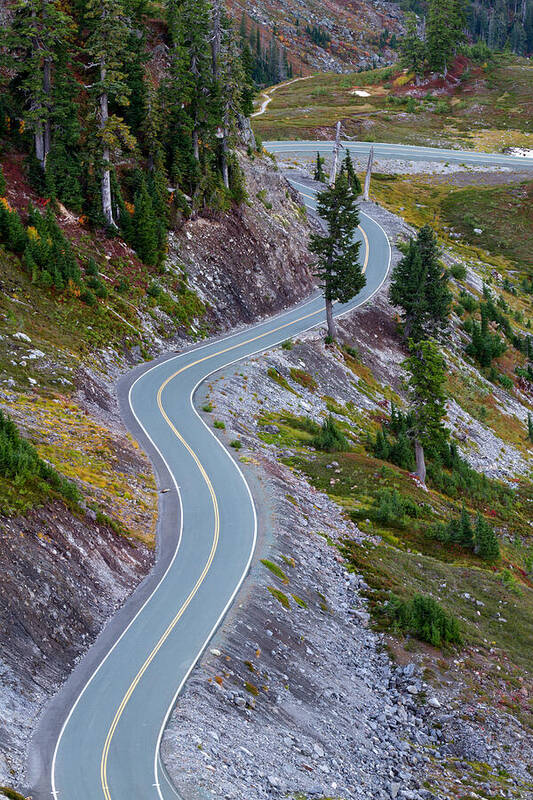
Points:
[67,569]
[253,261]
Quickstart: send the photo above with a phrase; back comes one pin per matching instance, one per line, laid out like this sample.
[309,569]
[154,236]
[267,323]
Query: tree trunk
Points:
[420,462]
[107,206]
[40,153]
[195,145]
[332,330]
[366,193]
[216,41]
[47,87]
[225,171]
[333,175]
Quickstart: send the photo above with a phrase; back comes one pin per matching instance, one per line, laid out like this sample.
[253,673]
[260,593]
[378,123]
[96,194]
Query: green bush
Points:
[11,793]
[49,251]
[154,290]
[219,424]
[390,508]
[486,544]
[424,618]
[236,443]
[458,271]
[468,301]
[88,297]
[330,438]
[20,463]
[91,268]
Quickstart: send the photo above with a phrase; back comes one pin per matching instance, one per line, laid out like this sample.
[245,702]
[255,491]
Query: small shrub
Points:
[88,297]
[236,444]
[122,286]
[21,463]
[11,793]
[424,618]
[303,378]
[287,344]
[154,290]
[353,352]
[219,424]
[393,509]
[91,268]
[207,408]
[280,597]
[458,271]
[330,438]
[468,301]
[277,571]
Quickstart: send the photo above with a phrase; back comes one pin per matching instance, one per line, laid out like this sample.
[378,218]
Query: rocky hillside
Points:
[310,689]
[336,36]
[68,565]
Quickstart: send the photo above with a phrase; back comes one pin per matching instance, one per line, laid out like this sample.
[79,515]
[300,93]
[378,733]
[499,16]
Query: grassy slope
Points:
[406,561]
[461,205]
[39,377]
[488,108]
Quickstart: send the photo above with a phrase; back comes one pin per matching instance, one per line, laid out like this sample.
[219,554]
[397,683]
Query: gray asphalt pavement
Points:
[406,152]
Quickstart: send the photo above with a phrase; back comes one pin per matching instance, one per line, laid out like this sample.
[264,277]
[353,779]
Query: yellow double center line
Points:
[216,534]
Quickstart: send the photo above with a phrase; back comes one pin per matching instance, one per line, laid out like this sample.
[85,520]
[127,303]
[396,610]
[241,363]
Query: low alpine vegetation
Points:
[21,464]
[425,619]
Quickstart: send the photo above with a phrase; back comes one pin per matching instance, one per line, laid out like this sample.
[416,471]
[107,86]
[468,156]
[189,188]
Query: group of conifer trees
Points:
[112,132]
[265,63]
[433,42]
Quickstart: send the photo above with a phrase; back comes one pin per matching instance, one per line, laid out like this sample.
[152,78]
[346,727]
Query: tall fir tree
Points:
[426,378]
[347,168]
[145,234]
[340,273]
[319,174]
[419,286]
[106,54]
[412,47]
[40,28]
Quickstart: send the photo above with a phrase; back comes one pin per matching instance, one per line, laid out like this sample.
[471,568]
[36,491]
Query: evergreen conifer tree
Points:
[412,47]
[347,168]
[337,251]
[427,376]
[31,45]
[319,174]
[145,234]
[466,536]
[486,544]
[106,53]
[419,285]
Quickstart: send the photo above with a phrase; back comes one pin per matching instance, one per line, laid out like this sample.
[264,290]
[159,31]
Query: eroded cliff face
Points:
[62,577]
[254,260]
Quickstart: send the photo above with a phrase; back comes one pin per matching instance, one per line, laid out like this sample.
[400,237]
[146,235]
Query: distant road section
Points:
[404,152]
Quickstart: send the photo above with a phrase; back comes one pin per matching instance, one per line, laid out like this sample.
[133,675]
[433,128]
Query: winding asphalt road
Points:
[108,745]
